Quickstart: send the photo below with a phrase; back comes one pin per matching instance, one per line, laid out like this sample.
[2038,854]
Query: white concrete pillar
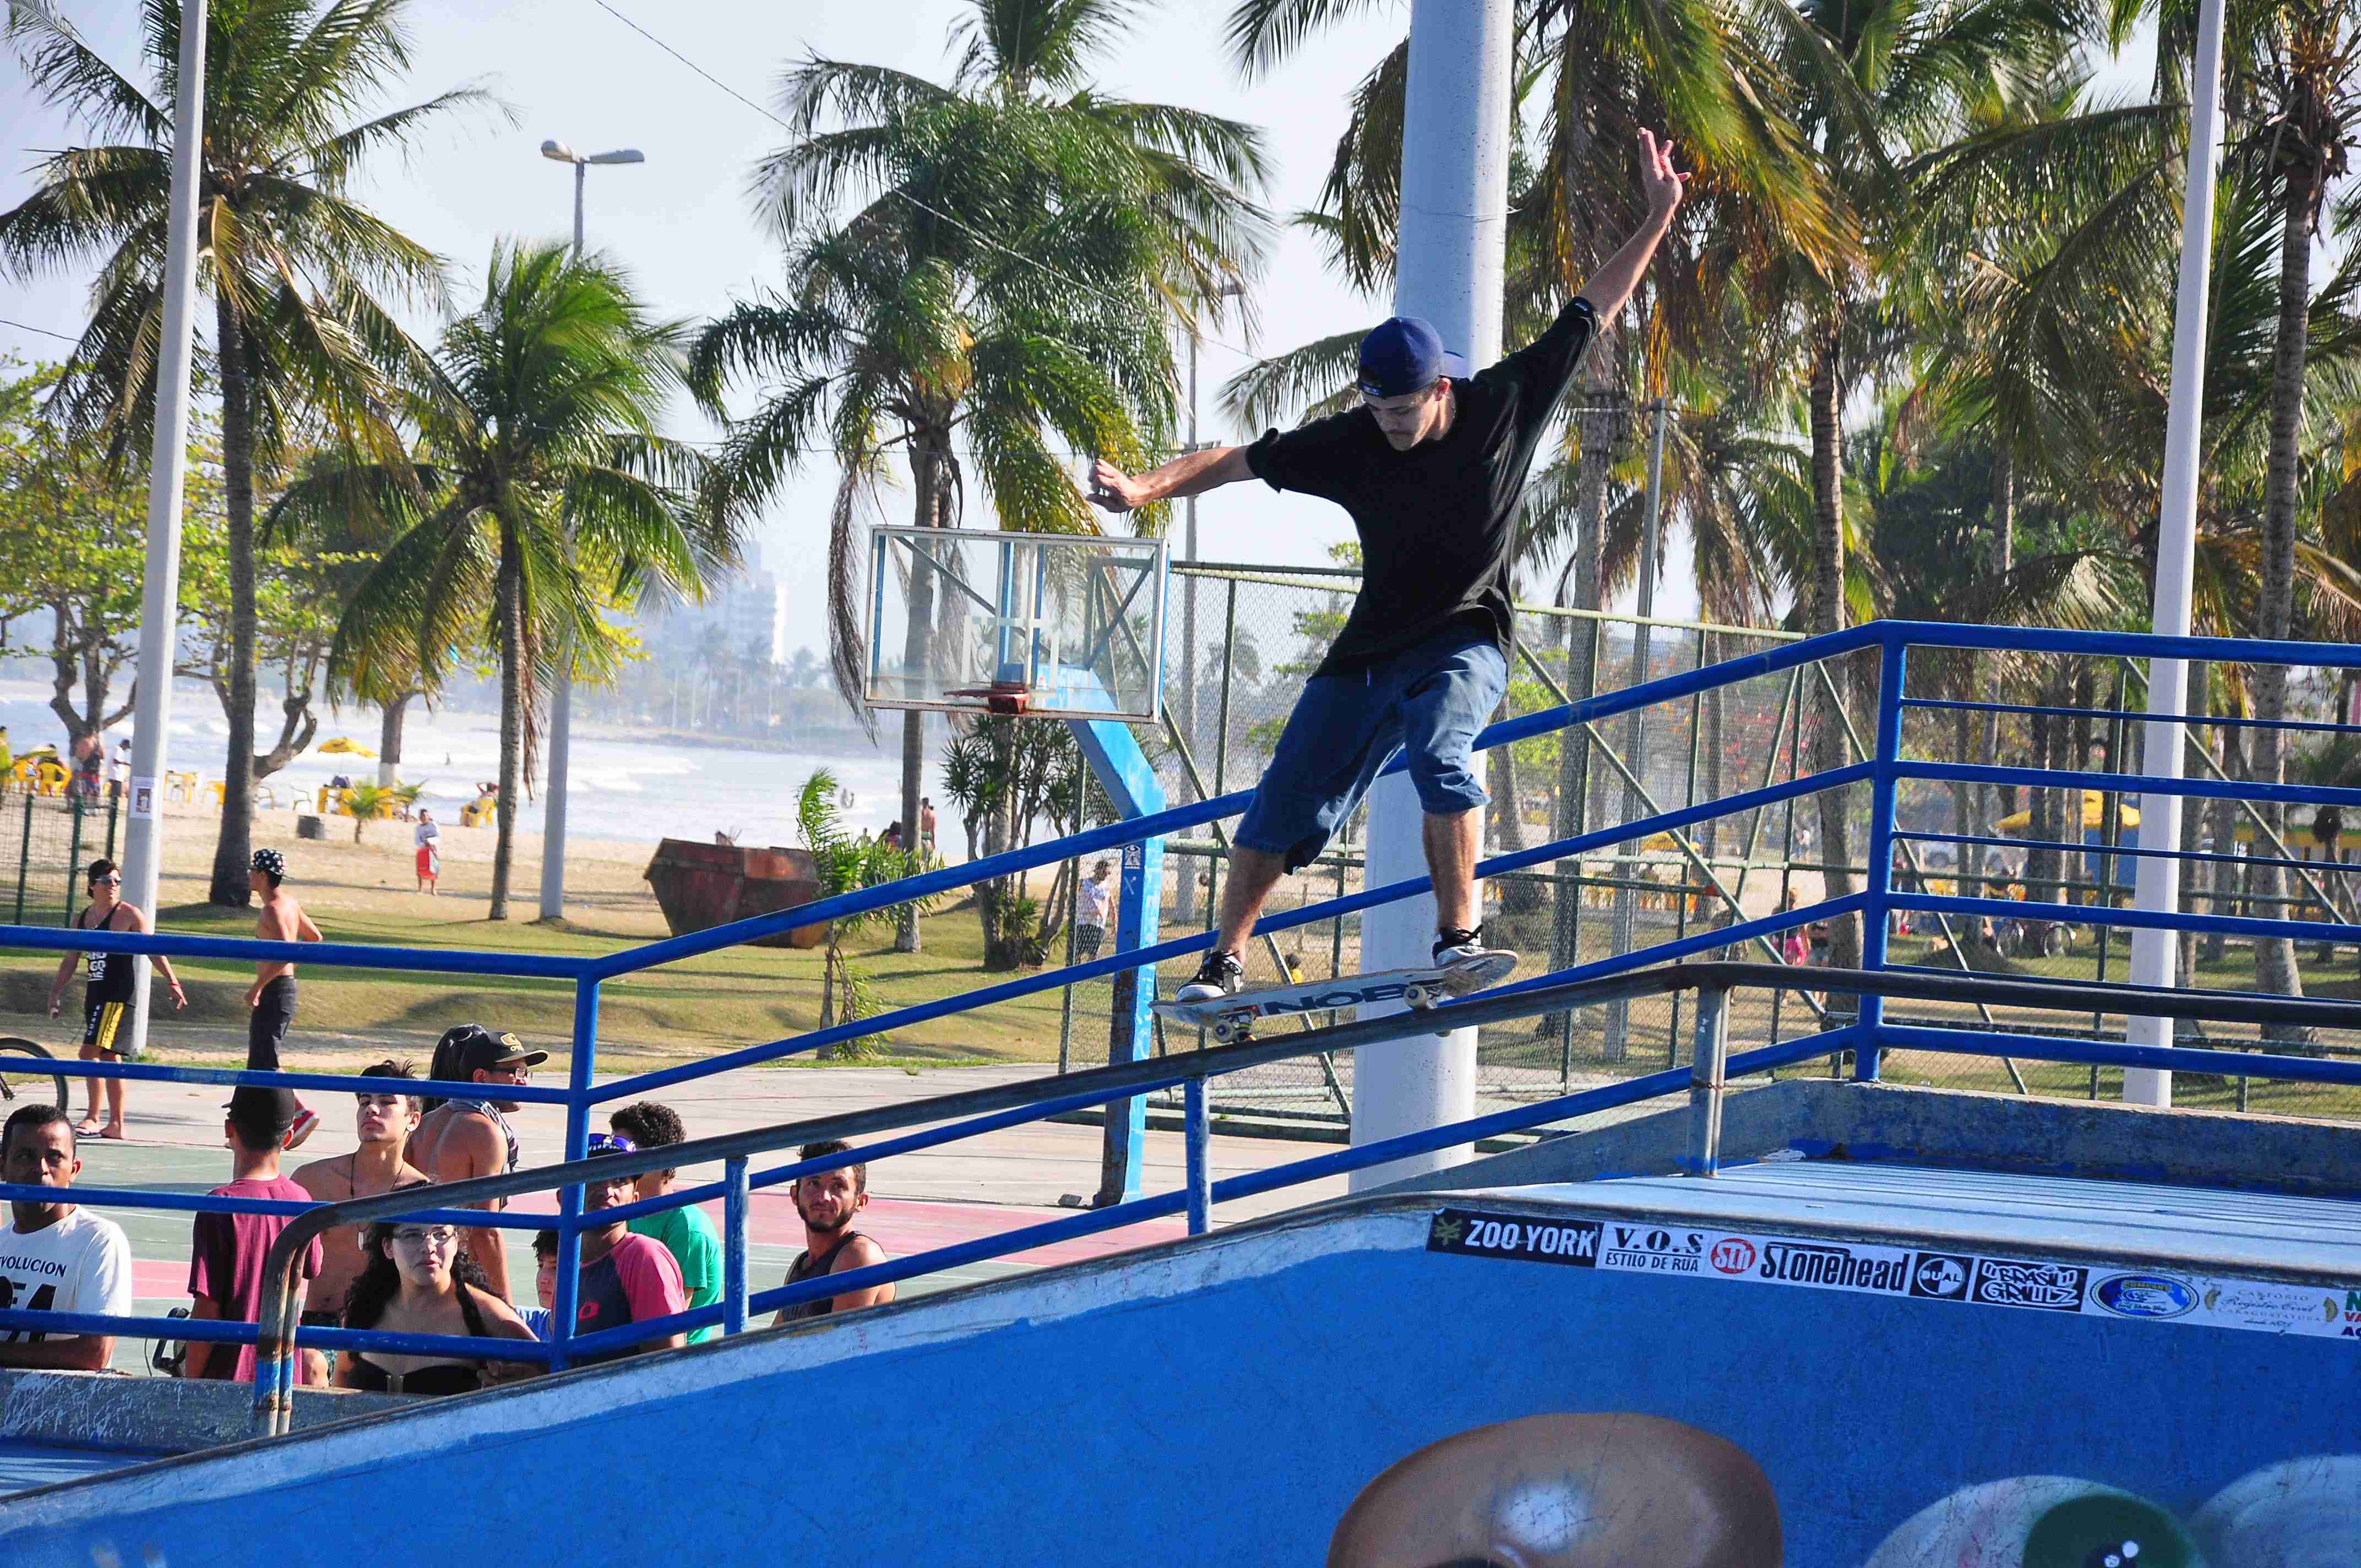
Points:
[1454,227]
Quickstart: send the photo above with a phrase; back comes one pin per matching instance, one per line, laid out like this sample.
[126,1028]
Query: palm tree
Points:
[539,493]
[304,282]
[919,314]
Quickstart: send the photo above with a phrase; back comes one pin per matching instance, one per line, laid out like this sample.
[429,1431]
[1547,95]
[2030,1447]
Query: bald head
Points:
[1567,1491]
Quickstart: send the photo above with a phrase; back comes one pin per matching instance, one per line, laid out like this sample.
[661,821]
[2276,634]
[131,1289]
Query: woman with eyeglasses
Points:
[414,1283]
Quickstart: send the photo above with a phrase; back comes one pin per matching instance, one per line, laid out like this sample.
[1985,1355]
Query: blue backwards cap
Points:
[1404,355]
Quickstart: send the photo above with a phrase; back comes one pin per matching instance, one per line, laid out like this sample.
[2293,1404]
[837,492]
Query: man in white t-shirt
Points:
[54,1258]
[1091,913]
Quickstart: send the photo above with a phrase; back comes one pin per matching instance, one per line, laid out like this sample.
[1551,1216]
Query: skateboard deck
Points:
[1232,1017]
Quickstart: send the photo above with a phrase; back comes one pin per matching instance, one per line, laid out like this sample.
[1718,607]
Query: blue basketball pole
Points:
[1124,771]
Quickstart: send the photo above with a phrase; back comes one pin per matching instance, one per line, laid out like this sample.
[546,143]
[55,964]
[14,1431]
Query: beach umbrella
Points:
[341,747]
[2094,816]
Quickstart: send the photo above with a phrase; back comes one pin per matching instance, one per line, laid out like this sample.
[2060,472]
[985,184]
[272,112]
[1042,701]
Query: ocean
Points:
[624,786]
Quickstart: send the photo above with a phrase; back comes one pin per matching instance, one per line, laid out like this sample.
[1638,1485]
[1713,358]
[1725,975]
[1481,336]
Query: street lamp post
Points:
[160,613]
[561,700]
[1189,593]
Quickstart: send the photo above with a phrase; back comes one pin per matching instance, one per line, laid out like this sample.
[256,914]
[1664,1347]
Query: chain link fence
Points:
[1259,632]
[2069,862]
[45,841]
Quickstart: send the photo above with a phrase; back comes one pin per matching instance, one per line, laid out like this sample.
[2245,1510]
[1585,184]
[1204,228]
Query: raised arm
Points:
[1190,473]
[1609,289]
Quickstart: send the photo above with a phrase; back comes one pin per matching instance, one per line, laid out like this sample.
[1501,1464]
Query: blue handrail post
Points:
[735,1202]
[1892,669]
[1124,771]
[1199,1140]
[582,1066]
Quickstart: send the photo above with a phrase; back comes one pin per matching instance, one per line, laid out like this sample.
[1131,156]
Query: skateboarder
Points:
[1431,468]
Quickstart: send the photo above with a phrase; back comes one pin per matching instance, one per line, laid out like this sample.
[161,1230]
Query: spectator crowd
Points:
[411,1276]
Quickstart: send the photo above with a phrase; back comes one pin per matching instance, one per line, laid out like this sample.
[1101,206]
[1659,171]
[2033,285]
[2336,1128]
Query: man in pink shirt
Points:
[626,1278]
[226,1251]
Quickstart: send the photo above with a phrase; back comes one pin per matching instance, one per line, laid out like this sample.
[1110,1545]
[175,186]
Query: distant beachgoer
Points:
[1090,912]
[270,1000]
[106,995]
[892,837]
[1793,945]
[429,839]
[926,825]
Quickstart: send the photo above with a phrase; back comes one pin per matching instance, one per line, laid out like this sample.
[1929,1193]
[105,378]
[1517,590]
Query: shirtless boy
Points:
[272,997]
[385,1121]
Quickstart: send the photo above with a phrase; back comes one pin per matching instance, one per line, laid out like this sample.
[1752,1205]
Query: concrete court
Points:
[978,1187]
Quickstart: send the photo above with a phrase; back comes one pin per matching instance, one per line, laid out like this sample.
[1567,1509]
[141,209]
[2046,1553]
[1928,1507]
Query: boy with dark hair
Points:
[459,1140]
[56,1257]
[226,1251]
[106,994]
[625,1278]
[544,1283]
[828,1203]
[685,1231]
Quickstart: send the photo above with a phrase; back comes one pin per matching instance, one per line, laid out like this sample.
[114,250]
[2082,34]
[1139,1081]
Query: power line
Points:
[45,332]
[974,233]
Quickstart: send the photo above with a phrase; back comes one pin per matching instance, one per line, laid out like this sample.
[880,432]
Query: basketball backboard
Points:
[1069,626]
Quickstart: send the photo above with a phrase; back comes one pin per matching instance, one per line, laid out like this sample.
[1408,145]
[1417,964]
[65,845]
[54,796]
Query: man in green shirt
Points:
[684,1231]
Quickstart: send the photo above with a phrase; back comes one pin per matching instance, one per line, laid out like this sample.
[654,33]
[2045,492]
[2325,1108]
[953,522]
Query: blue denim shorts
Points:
[1431,699]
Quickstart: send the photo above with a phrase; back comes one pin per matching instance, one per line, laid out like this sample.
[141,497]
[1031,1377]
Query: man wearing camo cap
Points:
[272,997]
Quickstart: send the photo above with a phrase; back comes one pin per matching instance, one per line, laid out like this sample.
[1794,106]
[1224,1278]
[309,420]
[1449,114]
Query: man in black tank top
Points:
[106,995]
[828,1201]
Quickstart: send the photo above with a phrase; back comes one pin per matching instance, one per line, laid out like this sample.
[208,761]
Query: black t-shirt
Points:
[1437,522]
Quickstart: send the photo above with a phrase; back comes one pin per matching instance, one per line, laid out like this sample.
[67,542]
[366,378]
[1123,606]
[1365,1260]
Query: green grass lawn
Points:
[722,1001]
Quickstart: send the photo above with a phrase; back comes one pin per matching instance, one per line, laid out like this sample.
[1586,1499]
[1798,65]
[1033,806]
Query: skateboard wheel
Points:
[1418,996]
[1224,1033]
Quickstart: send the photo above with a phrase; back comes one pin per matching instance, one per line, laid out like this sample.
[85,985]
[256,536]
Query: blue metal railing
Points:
[1884,771]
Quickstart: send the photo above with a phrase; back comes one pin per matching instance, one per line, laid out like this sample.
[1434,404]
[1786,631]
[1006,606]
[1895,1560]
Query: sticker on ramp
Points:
[1476,1233]
[1816,1263]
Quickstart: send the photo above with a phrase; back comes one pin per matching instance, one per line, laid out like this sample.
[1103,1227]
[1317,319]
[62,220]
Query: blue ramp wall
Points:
[1225,1399]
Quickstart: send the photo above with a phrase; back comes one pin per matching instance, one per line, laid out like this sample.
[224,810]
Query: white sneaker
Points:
[1469,952]
[1220,975]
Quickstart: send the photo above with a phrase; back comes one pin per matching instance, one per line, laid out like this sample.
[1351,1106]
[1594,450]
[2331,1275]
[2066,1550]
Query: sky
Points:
[576,71]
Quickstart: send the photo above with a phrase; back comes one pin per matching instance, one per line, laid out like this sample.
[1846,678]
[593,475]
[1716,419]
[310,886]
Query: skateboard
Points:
[1231,1018]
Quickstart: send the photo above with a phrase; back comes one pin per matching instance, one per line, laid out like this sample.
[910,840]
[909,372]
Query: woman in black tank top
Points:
[414,1282]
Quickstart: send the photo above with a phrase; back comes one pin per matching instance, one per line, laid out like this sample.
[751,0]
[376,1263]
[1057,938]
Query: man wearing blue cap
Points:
[1431,467]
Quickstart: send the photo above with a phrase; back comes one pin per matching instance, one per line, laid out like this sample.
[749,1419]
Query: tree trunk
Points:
[2226,872]
[230,874]
[389,739]
[1827,614]
[2275,961]
[2003,522]
[512,664]
[926,479]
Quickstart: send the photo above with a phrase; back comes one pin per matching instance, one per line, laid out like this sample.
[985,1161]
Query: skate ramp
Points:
[1900,1366]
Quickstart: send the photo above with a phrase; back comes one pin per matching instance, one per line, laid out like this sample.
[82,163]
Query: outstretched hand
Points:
[1662,184]
[1112,488]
